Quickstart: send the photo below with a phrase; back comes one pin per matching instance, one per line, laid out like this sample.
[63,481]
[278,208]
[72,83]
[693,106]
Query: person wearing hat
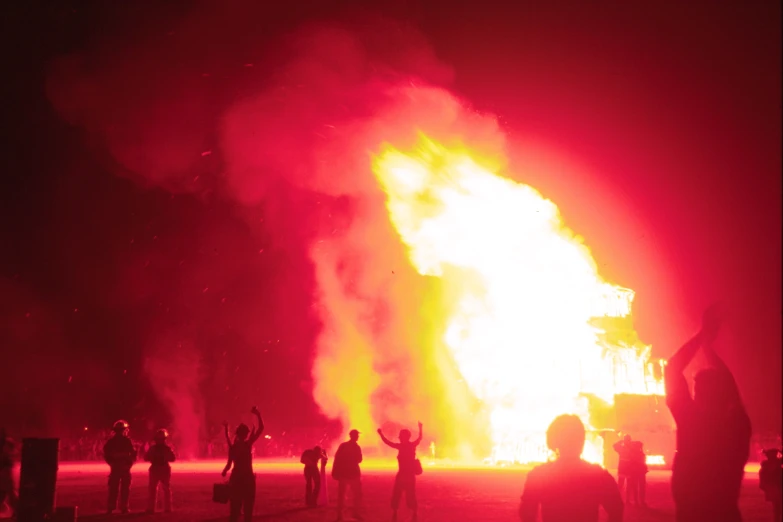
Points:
[771,481]
[120,455]
[311,458]
[160,455]
[346,471]
[243,480]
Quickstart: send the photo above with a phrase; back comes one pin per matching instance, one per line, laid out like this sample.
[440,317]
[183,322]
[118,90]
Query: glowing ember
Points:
[522,291]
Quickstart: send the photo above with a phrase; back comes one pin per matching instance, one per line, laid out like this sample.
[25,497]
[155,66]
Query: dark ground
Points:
[444,495]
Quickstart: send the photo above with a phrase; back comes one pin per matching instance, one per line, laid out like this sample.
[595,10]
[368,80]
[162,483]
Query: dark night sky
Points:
[656,130]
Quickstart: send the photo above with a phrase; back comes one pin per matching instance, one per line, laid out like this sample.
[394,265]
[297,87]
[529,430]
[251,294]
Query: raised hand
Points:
[380,432]
[710,323]
[254,409]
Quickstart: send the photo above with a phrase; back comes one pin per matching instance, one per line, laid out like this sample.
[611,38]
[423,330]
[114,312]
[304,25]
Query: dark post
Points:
[38,479]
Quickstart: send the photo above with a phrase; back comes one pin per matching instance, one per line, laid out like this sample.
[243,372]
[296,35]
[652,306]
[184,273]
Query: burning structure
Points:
[530,326]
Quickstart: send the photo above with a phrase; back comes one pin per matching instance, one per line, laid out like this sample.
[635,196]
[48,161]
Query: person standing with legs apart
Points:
[243,480]
[120,455]
[408,468]
[160,455]
[713,432]
[346,471]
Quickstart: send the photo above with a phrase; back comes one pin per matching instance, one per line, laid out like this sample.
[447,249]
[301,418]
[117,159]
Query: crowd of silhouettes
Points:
[713,446]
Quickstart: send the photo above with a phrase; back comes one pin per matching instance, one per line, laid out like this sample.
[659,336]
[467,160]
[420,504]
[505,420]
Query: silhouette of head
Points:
[120,427]
[242,431]
[772,453]
[627,438]
[405,435]
[566,436]
[712,389]
[161,436]
[354,435]
[317,449]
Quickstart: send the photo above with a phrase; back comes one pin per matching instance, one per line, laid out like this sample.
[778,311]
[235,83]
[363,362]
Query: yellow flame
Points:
[523,291]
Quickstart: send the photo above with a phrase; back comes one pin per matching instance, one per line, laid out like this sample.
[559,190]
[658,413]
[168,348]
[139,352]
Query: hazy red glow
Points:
[244,176]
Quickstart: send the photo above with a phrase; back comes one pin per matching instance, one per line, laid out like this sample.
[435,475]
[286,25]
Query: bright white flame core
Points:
[524,288]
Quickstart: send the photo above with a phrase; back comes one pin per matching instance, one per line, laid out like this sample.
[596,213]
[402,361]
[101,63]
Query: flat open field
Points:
[445,494]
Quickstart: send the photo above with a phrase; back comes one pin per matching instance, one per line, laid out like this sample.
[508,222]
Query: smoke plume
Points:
[295,137]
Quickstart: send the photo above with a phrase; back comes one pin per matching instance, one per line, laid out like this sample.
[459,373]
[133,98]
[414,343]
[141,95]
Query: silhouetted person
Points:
[345,470]
[243,480]
[119,454]
[569,489]
[637,479]
[160,456]
[311,458]
[7,486]
[405,481]
[771,482]
[713,433]
[632,469]
[624,463]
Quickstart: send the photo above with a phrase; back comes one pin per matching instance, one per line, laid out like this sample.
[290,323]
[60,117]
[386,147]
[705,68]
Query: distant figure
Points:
[632,468]
[408,468]
[7,486]
[311,458]
[160,456]
[119,454]
[323,498]
[243,480]
[623,449]
[345,470]
[569,489]
[771,482]
[713,433]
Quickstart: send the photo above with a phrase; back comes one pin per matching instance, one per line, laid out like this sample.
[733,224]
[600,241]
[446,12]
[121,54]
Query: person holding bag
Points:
[408,467]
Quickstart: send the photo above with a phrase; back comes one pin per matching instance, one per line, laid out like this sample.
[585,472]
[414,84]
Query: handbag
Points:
[221,493]
[417,469]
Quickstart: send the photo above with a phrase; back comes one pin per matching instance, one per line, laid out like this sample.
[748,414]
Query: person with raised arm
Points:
[408,467]
[713,432]
[243,480]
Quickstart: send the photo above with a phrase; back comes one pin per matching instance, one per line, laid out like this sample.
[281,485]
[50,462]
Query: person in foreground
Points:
[243,480]
[569,489]
[408,468]
[713,432]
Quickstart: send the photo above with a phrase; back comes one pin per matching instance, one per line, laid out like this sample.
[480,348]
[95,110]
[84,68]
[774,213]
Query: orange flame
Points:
[522,292]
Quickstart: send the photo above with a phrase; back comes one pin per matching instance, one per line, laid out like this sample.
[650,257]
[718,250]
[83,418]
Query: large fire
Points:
[524,292]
